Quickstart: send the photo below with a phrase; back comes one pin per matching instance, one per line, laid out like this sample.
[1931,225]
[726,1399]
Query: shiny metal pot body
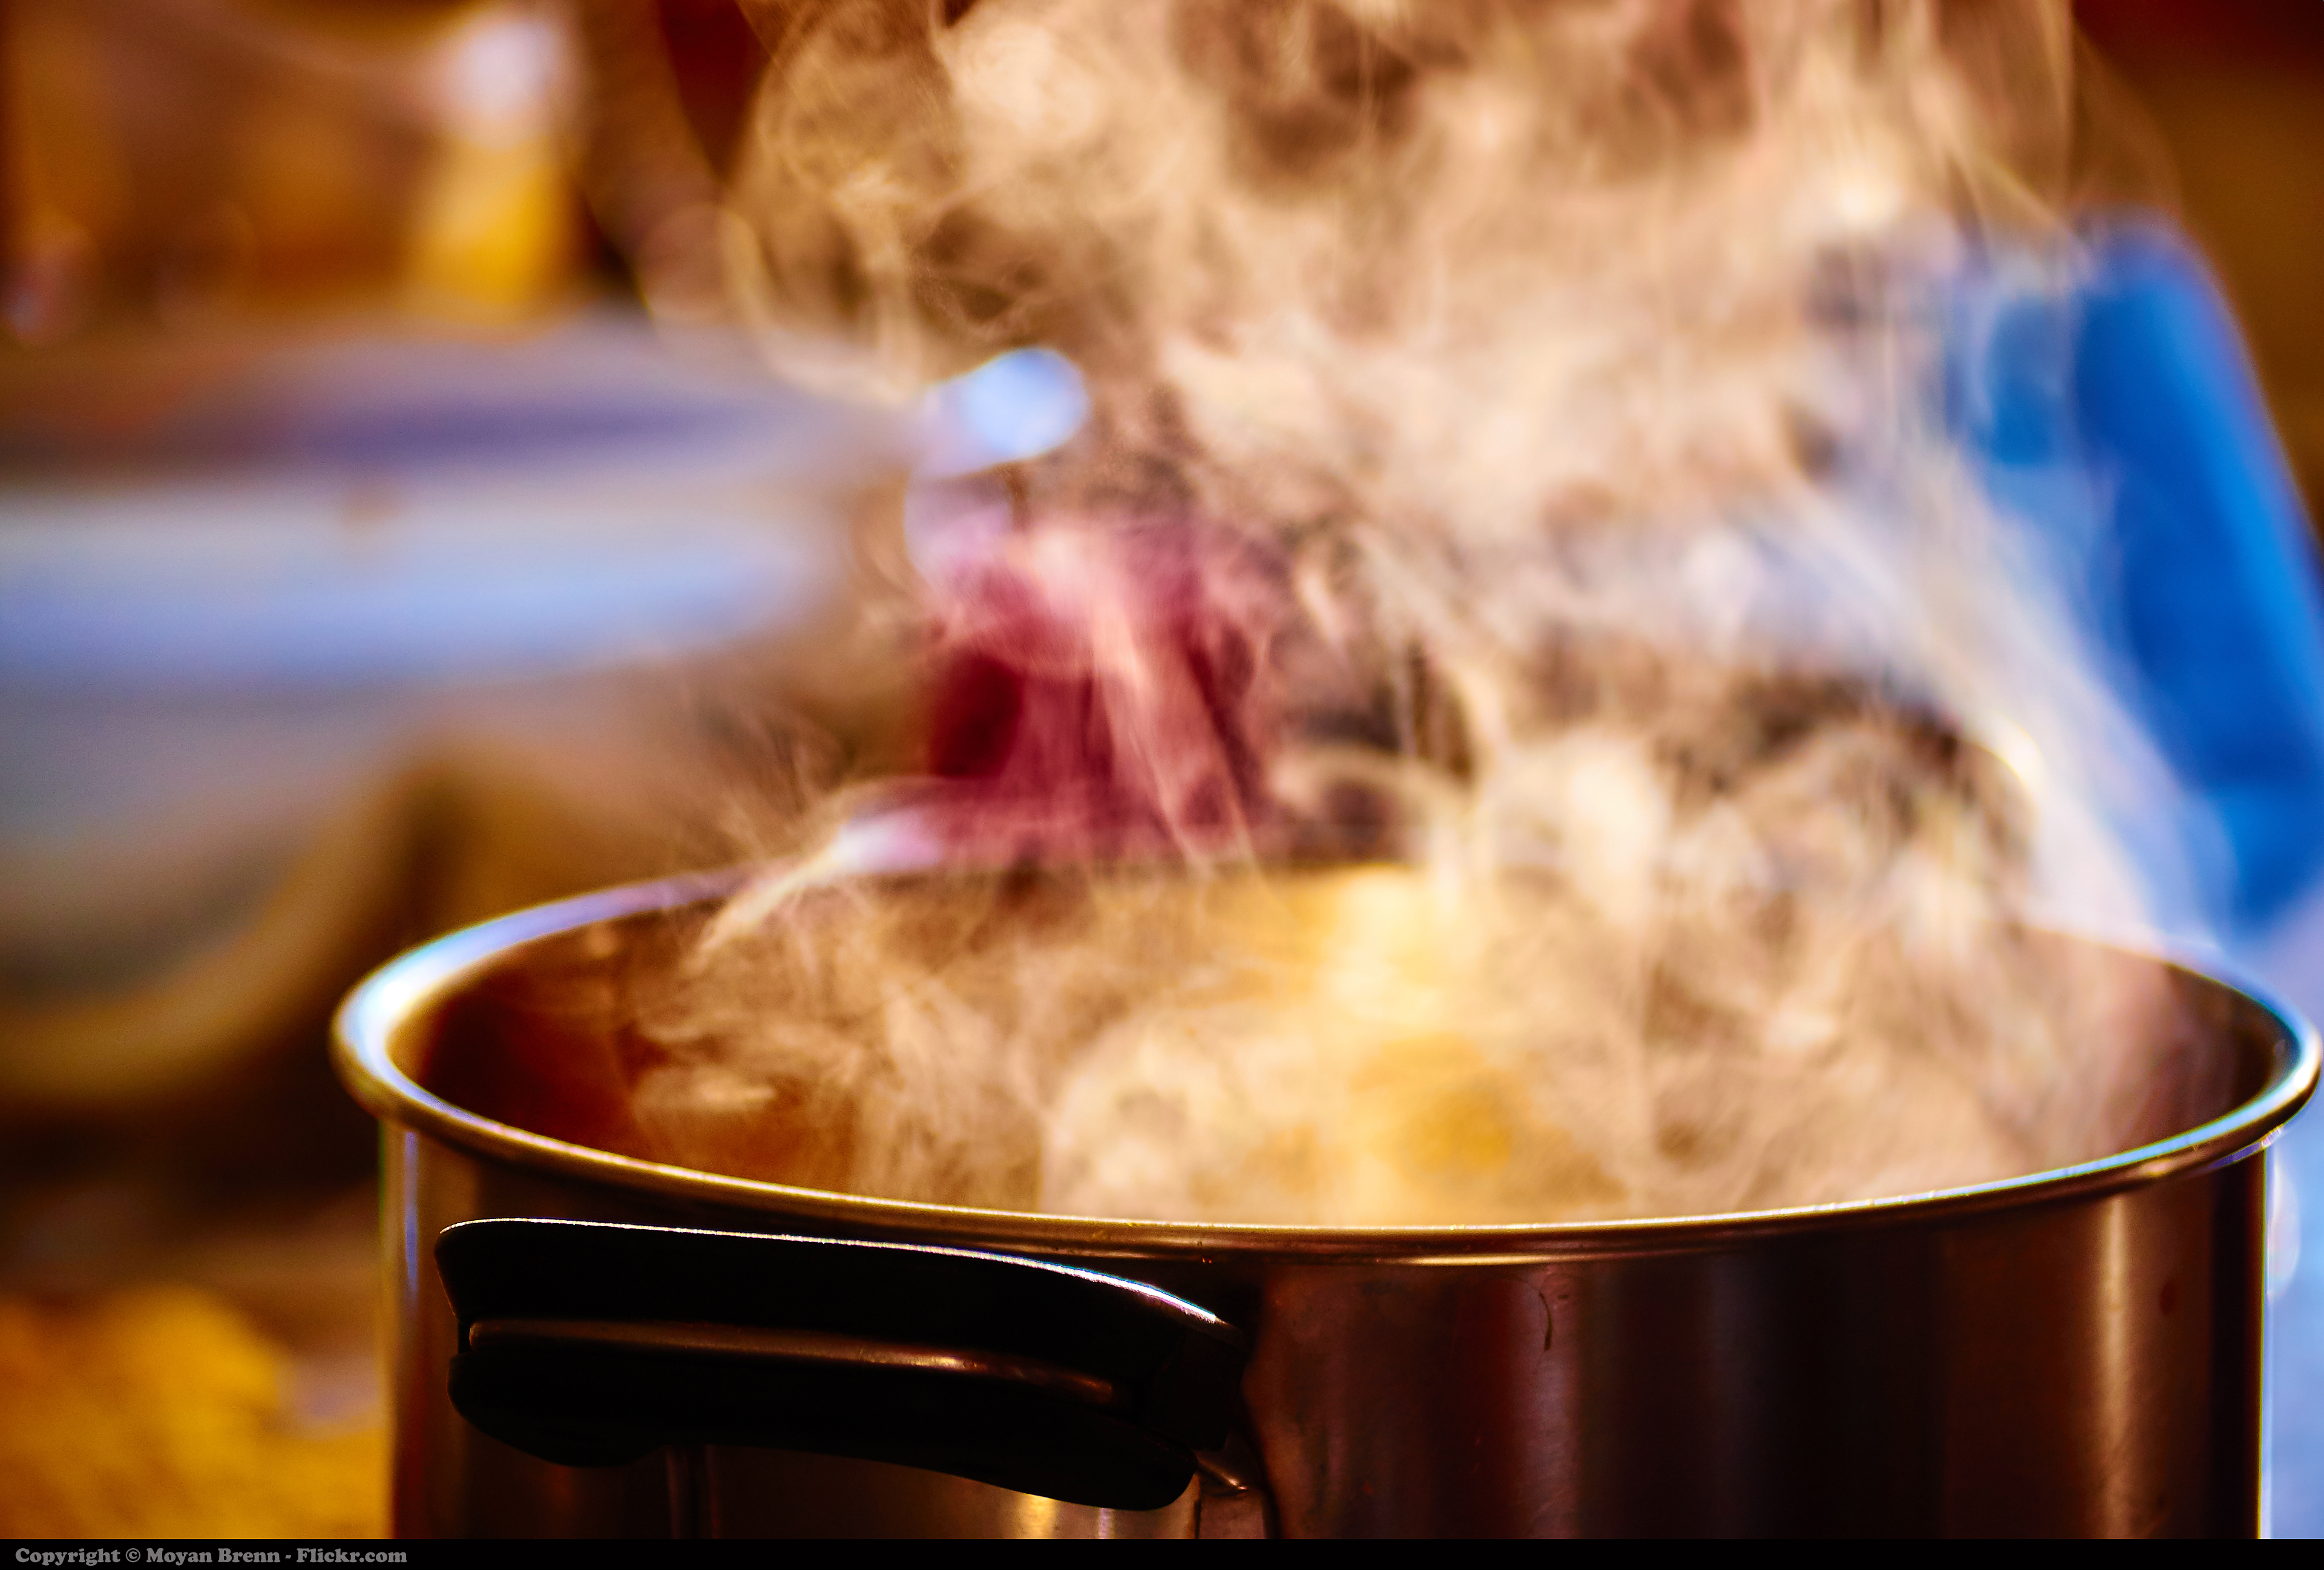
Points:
[2077,1352]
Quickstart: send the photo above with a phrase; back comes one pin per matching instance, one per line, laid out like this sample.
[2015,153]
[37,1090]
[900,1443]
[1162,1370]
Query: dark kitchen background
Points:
[394,532]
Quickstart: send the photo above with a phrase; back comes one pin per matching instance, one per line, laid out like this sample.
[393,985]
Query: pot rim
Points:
[387,1005]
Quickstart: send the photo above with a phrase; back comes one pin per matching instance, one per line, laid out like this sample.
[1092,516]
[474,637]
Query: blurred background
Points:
[393,531]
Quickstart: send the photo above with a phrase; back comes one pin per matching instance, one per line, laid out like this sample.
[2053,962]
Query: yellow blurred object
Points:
[491,230]
[160,1411]
[491,237]
[1343,1055]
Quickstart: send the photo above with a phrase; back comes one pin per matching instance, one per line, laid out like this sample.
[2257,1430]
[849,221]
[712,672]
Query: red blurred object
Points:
[1103,690]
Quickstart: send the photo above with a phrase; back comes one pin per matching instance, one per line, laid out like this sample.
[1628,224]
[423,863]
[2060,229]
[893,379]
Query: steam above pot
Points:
[1516,461]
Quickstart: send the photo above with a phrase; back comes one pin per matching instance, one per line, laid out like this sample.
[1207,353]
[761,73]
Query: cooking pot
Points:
[591,1343]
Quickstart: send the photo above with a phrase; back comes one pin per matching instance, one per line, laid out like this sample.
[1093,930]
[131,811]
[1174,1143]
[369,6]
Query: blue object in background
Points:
[1013,407]
[2125,424]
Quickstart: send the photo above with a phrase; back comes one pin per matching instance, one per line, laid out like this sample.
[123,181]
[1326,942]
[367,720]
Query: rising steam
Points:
[1516,465]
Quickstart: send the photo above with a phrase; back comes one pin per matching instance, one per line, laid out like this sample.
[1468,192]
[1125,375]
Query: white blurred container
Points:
[260,662]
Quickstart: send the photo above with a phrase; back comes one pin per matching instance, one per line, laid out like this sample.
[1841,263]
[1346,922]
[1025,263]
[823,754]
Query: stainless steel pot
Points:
[2073,1352]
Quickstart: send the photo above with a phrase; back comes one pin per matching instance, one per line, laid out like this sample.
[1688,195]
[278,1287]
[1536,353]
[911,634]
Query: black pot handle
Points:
[588,1344]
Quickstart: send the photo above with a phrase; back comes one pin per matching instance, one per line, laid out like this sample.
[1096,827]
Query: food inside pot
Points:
[1359,1057]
